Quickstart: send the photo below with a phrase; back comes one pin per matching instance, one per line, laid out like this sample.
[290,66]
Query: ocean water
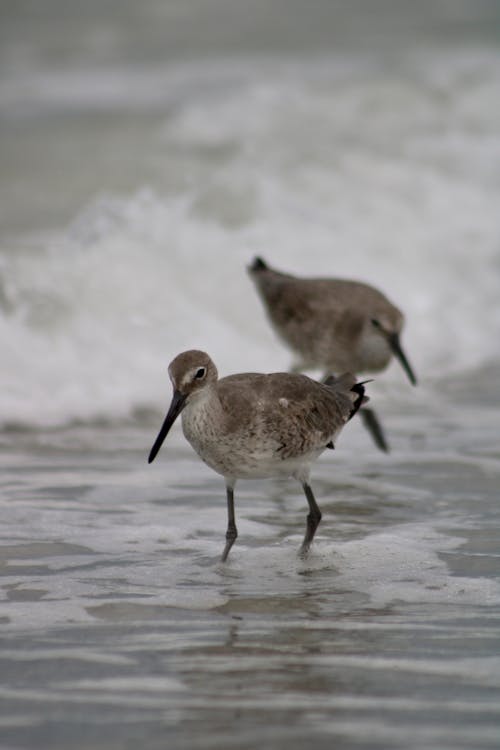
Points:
[148,152]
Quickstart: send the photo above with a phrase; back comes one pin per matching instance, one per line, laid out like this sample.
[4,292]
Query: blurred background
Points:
[149,150]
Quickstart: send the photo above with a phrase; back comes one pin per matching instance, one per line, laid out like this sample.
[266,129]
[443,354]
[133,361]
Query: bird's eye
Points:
[375,323]
[200,373]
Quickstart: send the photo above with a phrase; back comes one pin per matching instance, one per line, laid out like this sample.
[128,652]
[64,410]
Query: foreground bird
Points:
[333,324]
[253,426]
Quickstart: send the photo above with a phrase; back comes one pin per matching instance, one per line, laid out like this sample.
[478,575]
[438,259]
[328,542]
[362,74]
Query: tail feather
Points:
[359,389]
[347,382]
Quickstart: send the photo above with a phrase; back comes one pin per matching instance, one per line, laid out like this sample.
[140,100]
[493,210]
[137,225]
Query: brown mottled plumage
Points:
[253,425]
[333,324]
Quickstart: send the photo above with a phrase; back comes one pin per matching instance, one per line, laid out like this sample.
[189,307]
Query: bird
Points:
[256,425]
[335,325]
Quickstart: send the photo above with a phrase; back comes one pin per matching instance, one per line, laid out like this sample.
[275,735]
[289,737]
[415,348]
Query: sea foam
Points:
[380,175]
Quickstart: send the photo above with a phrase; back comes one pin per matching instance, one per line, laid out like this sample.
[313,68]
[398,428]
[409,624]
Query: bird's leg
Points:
[313,519]
[232,531]
[372,424]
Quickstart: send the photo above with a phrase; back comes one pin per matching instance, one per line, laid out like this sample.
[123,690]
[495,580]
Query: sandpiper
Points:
[335,325]
[254,425]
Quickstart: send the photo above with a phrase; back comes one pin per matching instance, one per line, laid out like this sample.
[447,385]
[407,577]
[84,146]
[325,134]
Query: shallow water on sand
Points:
[119,624]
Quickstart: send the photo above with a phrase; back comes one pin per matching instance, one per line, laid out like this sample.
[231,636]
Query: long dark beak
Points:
[176,406]
[398,352]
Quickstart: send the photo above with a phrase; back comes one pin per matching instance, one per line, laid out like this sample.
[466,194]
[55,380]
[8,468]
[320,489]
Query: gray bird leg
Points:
[313,519]
[372,424]
[232,531]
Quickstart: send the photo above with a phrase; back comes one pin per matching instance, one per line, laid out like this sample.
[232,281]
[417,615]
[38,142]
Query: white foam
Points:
[385,176]
[404,564]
